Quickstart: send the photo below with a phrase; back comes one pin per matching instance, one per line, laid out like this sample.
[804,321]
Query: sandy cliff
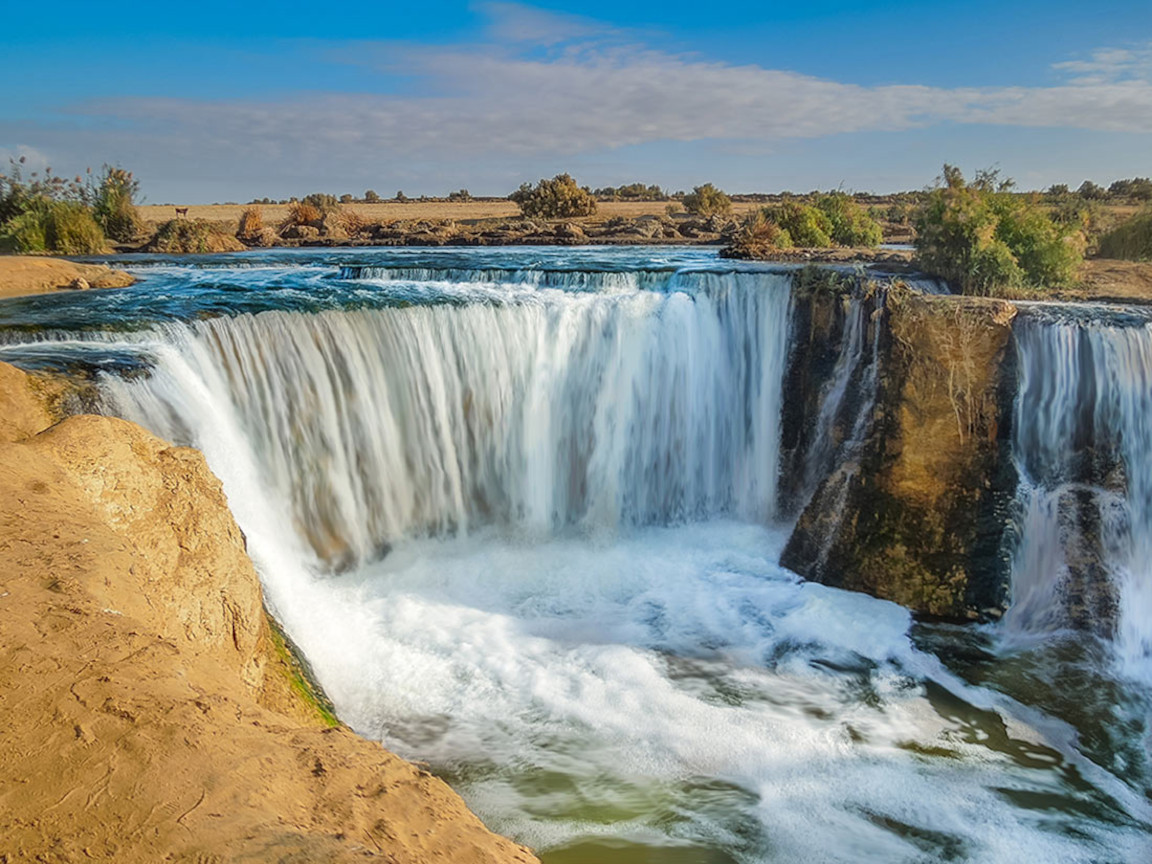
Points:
[145,712]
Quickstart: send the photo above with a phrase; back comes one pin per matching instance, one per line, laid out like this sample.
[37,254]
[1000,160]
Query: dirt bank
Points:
[27,274]
[146,710]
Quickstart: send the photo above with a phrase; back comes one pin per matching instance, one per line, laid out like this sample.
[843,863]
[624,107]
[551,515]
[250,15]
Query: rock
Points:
[157,719]
[917,514]
[31,274]
[569,231]
[79,284]
[300,232]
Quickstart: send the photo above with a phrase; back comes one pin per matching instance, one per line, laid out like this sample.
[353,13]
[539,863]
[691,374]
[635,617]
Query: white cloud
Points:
[540,85]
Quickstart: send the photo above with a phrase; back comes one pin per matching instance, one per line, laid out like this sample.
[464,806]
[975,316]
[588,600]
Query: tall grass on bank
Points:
[1131,240]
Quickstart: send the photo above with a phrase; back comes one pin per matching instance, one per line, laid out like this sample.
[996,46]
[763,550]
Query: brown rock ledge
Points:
[138,675]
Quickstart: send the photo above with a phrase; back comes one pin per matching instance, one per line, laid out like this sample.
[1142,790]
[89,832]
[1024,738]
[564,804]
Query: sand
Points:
[28,274]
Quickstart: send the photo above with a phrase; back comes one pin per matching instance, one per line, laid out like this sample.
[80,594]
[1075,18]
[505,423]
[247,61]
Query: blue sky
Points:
[217,101]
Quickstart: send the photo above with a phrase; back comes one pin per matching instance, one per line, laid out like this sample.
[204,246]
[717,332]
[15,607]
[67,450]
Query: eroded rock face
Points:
[915,512]
[143,710]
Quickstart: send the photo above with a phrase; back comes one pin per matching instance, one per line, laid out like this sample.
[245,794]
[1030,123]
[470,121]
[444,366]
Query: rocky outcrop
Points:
[27,274]
[192,236]
[146,708]
[914,510]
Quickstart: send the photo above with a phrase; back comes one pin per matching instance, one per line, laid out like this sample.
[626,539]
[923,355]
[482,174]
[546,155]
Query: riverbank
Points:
[148,711]
[21,275]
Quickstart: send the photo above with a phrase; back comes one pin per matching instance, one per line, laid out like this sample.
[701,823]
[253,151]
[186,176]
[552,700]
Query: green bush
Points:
[1130,240]
[66,227]
[371,197]
[25,233]
[707,200]
[986,239]
[851,224]
[558,198]
[72,230]
[807,226]
[322,201]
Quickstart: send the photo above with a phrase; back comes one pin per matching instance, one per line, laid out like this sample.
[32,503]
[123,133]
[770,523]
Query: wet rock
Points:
[917,515]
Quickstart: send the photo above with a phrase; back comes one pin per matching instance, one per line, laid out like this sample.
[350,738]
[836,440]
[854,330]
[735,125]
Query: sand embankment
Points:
[28,274]
[145,711]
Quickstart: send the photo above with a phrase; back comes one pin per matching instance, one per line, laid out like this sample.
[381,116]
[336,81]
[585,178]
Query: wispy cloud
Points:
[539,84]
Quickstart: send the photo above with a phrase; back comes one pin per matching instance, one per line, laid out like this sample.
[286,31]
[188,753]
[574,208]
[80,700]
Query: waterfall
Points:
[539,410]
[1083,446]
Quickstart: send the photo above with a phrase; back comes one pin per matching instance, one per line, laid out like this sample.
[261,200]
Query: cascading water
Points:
[580,620]
[1083,444]
[539,409]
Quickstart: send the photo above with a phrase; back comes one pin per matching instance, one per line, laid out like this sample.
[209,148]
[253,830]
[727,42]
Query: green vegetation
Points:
[631,192]
[299,675]
[47,213]
[192,236]
[321,201]
[370,197]
[805,225]
[113,200]
[851,224]
[707,200]
[558,198]
[1130,240]
[989,241]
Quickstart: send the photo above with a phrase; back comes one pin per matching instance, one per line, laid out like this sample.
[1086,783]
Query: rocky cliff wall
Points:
[913,502]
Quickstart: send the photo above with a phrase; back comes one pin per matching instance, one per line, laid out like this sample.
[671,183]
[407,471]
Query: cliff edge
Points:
[146,708]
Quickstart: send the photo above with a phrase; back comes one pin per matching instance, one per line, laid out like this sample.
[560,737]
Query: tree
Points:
[707,200]
[558,198]
[370,197]
[1091,192]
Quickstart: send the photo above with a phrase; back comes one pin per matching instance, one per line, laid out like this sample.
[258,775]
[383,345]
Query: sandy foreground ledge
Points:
[26,274]
[145,711]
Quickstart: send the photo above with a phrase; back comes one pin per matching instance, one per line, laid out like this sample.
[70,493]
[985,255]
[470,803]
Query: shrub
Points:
[66,227]
[1130,240]
[461,195]
[251,225]
[25,233]
[558,198]
[758,238]
[322,202]
[72,230]
[370,197]
[707,200]
[851,223]
[199,236]
[806,225]
[113,201]
[985,239]
[346,199]
[352,222]
[302,213]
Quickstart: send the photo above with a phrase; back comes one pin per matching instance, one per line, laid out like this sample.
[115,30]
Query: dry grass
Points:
[460,211]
